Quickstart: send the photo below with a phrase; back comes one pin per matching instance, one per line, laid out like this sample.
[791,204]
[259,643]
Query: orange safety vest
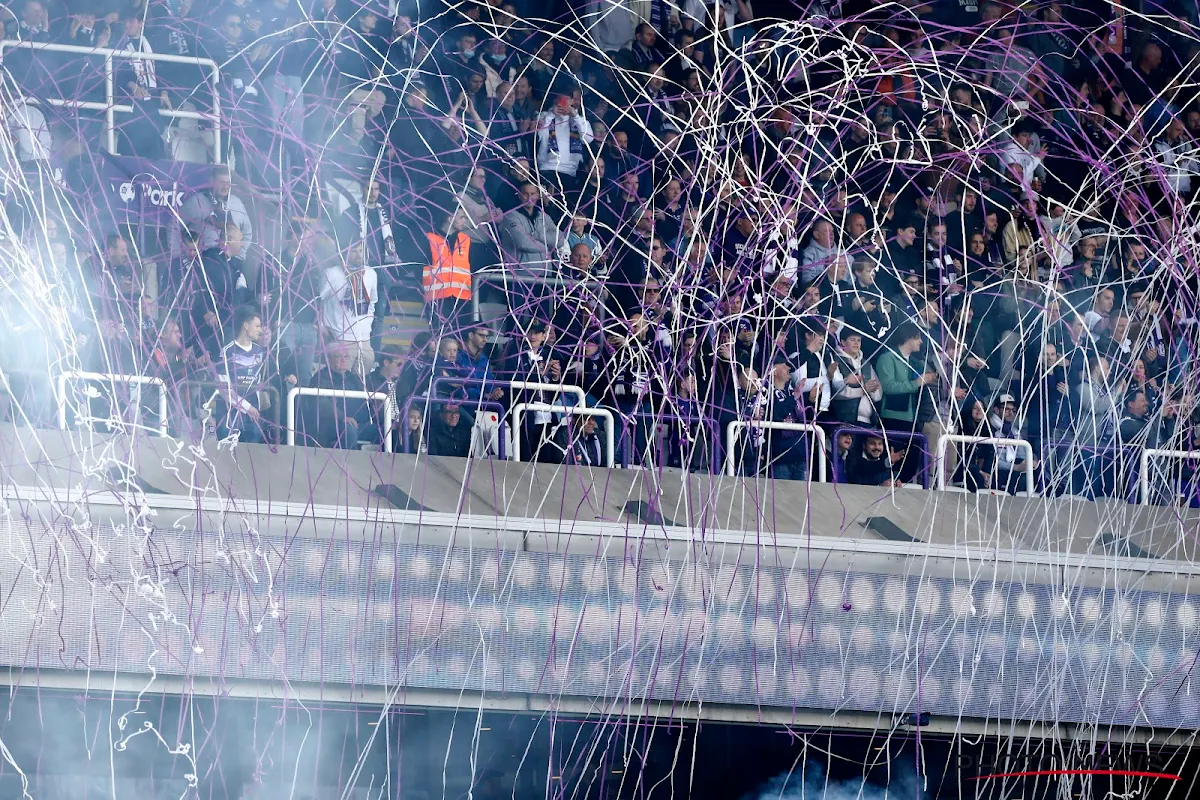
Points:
[449,276]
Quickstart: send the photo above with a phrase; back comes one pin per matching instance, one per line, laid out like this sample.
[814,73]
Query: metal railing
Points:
[610,446]
[670,420]
[219,388]
[312,391]
[502,278]
[1144,473]
[943,443]
[110,105]
[133,380]
[736,427]
[839,463]
[558,388]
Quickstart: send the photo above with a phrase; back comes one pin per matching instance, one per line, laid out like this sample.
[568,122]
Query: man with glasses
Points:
[474,363]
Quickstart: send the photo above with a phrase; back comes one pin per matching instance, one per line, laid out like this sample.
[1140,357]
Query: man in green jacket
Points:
[902,384]
[900,380]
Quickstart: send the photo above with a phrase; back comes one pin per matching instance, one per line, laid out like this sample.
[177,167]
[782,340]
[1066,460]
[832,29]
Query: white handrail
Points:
[610,447]
[313,391]
[1144,472]
[735,429]
[138,380]
[939,478]
[551,387]
[110,105]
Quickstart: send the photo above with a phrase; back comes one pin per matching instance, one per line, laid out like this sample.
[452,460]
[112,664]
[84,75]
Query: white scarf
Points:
[364,214]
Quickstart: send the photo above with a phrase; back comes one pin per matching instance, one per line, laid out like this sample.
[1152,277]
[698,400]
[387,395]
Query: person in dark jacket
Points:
[337,420]
[450,434]
[978,459]
[876,465]
[587,448]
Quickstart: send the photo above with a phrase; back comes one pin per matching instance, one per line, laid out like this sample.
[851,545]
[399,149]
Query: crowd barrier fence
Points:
[312,391]
[110,106]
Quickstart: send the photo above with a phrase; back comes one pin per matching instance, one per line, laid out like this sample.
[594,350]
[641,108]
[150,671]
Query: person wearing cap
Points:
[1010,461]
[450,433]
[635,382]
[529,359]
[814,369]
[857,393]
[563,140]
[785,448]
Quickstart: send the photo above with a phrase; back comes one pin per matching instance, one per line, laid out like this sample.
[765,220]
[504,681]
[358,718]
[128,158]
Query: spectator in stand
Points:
[1179,158]
[530,360]
[587,446]
[819,253]
[857,392]
[901,380]
[347,308]
[876,465]
[412,430]
[209,211]
[170,360]
[618,161]
[785,447]
[643,50]
[135,77]
[482,215]
[581,233]
[339,421]
[385,378]
[1141,427]
[297,291]
[223,277]
[529,234]
[564,137]
[415,374]
[1010,460]
[116,276]
[505,129]
[1045,396]
[1098,318]
[370,224]
[474,363]
[285,62]
[978,458]
[450,433]
[446,278]
[1022,157]
[242,366]
[902,258]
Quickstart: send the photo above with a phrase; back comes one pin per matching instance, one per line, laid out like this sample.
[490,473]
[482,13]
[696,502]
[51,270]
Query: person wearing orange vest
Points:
[447,274]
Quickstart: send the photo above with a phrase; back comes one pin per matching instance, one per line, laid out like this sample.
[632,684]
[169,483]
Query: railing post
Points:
[293,393]
[737,426]
[216,105]
[110,124]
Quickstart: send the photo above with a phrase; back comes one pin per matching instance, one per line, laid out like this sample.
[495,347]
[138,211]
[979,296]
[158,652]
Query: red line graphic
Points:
[1129,773]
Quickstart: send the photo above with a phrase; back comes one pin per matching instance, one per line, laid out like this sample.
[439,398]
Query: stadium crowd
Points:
[980,235]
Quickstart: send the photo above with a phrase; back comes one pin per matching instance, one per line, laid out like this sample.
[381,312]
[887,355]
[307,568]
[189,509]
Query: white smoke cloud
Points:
[903,784]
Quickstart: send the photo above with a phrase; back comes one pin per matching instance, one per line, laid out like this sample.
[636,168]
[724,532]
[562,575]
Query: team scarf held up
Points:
[574,134]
